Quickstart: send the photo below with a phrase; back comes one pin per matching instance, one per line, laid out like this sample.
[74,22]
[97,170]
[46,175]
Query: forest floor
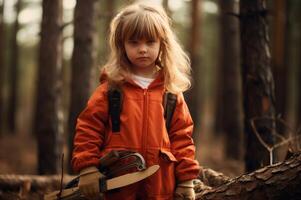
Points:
[18,154]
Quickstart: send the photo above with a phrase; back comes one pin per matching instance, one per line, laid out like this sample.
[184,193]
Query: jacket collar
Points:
[157,82]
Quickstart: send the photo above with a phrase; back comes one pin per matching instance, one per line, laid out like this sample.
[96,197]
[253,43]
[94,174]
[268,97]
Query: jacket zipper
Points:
[144,125]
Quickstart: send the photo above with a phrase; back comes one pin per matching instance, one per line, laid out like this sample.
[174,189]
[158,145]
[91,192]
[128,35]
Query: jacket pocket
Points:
[167,155]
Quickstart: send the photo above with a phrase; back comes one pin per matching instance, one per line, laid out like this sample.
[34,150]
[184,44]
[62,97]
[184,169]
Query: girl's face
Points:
[142,54]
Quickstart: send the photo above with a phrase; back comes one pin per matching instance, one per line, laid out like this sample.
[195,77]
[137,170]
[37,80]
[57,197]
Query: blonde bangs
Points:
[139,25]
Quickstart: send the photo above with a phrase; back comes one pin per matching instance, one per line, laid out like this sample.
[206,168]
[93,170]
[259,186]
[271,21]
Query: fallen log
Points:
[275,182]
[12,182]
[16,187]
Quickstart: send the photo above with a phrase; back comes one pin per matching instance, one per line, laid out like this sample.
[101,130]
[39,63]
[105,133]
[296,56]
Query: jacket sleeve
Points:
[182,145]
[90,128]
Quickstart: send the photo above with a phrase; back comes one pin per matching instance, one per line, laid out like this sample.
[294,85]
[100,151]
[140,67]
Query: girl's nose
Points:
[142,48]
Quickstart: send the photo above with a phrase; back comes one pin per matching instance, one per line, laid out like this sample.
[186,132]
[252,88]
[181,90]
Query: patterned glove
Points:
[185,191]
[89,183]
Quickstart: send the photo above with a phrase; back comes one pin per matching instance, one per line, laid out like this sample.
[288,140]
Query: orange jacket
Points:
[142,129]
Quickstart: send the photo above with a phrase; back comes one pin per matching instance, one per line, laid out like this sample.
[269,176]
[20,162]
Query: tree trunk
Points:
[299,93]
[107,10]
[2,68]
[276,182]
[230,81]
[110,7]
[193,100]
[83,61]
[279,48]
[14,74]
[258,83]
[47,124]
[293,62]
[299,76]
[166,7]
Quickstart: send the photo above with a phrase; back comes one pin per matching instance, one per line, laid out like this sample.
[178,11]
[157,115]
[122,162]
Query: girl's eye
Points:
[133,41]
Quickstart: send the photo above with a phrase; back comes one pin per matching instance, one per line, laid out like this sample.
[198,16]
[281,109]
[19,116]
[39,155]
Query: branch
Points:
[283,140]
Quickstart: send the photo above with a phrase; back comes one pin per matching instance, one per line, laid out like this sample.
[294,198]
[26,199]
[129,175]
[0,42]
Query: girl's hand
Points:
[185,191]
[89,183]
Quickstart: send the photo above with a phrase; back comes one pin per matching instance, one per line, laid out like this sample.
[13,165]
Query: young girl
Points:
[146,61]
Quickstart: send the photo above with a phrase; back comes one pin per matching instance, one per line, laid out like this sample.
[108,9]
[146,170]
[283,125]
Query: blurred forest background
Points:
[245,57]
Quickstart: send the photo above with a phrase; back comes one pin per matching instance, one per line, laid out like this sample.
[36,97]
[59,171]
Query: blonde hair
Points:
[150,22]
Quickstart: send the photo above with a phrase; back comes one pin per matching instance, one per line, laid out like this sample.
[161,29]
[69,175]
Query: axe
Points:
[110,165]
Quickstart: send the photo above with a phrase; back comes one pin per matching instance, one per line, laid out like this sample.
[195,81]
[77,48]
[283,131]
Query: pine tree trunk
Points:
[293,62]
[14,73]
[299,77]
[279,47]
[2,68]
[47,124]
[193,100]
[83,61]
[230,81]
[110,6]
[299,94]
[258,83]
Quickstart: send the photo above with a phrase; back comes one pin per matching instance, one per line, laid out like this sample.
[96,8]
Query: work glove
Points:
[89,183]
[184,190]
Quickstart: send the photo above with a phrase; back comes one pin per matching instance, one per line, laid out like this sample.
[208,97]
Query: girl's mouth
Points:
[142,58]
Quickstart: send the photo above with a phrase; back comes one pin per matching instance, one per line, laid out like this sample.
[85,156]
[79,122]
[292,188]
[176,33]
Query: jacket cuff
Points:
[186,177]
[80,164]
[88,170]
[186,184]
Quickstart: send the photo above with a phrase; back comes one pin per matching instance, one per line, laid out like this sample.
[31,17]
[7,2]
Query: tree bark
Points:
[13,72]
[258,83]
[2,65]
[276,182]
[193,100]
[279,47]
[14,182]
[83,62]
[47,124]
[293,63]
[111,9]
[299,76]
[229,102]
